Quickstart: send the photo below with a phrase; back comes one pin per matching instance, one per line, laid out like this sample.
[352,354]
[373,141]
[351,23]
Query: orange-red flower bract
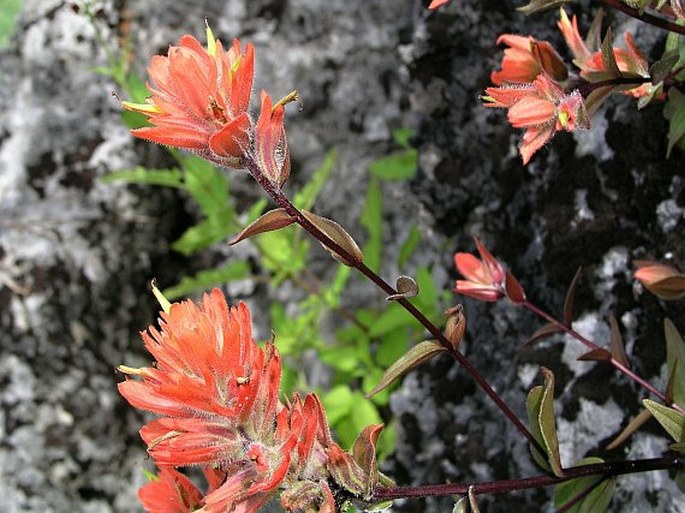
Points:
[200,98]
[271,147]
[485,278]
[542,108]
[217,393]
[525,59]
[662,280]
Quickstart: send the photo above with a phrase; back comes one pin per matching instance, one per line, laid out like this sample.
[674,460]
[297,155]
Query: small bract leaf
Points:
[337,234]
[413,358]
[608,57]
[671,420]
[545,331]
[269,222]
[570,294]
[364,454]
[514,290]
[596,355]
[590,494]
[617,347]
[635,424]
[163,301]
[596,98]
[406,287]
[456,325]
[593,39]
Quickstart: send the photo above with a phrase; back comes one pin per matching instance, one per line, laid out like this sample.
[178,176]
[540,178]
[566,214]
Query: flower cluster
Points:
[217,393]
[535,86]
[486,278]
[200,102]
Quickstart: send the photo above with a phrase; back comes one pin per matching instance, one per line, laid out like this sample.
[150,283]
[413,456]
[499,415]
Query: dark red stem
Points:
[608,469]
[283,202]
[592,346]
[645,16]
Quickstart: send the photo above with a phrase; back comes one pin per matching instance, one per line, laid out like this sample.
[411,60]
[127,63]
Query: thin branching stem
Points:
[283,202]
[592,346]
[608,469]
[646,17]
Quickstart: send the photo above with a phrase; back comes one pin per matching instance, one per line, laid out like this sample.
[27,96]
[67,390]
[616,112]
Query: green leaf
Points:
[204,234]
[392,346]
[674,112]
[427,300]
[306,196]
[398,166]
[417,355]
[8,21]
[671,420]
[675,359]
[540,406]
[338,403]
[372,220]
[410,244]
[597,490]
[236,270]
[342,358]
[141,175]
[393,317]
[365,412]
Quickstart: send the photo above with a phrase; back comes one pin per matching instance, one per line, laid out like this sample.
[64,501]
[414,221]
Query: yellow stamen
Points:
[163,302]
[143,108]
[563,118]
[211,40]
[292,96]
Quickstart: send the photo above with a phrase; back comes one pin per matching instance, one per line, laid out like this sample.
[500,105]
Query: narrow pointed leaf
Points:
[570,295]
[514,290]
[661,68]
[592,494]
[618,350]
[406,287]
[543,332]
[635,424]
[269,222]
[678,447]
[596,355]
[593,39]
[413,358]
[540,406]
[337,234]
[596,98]
[671,420]
[540,5]
[608,57]
[675,360]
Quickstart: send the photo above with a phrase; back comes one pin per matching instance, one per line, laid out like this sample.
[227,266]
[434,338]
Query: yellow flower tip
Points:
[292,96]
[563,118]
[211,39]
[488,99]
[143,108]
[130,370]
[163,302]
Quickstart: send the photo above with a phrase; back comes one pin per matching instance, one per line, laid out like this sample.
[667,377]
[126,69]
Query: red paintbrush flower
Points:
[172,492]
[200,99]
[542,108]
[484,277]
[217,392]
[525,59]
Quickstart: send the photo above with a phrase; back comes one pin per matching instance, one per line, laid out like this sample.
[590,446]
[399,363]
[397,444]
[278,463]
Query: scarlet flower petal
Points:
[233,139]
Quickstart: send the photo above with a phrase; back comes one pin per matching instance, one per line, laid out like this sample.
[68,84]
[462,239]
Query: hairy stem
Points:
[283,202]
[608,469]
[645,16]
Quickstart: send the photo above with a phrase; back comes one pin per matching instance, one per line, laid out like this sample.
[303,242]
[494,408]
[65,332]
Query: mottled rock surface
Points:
[77,254]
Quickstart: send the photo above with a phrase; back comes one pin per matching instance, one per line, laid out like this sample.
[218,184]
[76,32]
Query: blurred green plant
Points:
[10,10]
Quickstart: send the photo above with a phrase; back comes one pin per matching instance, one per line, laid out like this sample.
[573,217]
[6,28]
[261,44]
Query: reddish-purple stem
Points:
[645,16]
[283,202]
[592,346]
[612,468]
